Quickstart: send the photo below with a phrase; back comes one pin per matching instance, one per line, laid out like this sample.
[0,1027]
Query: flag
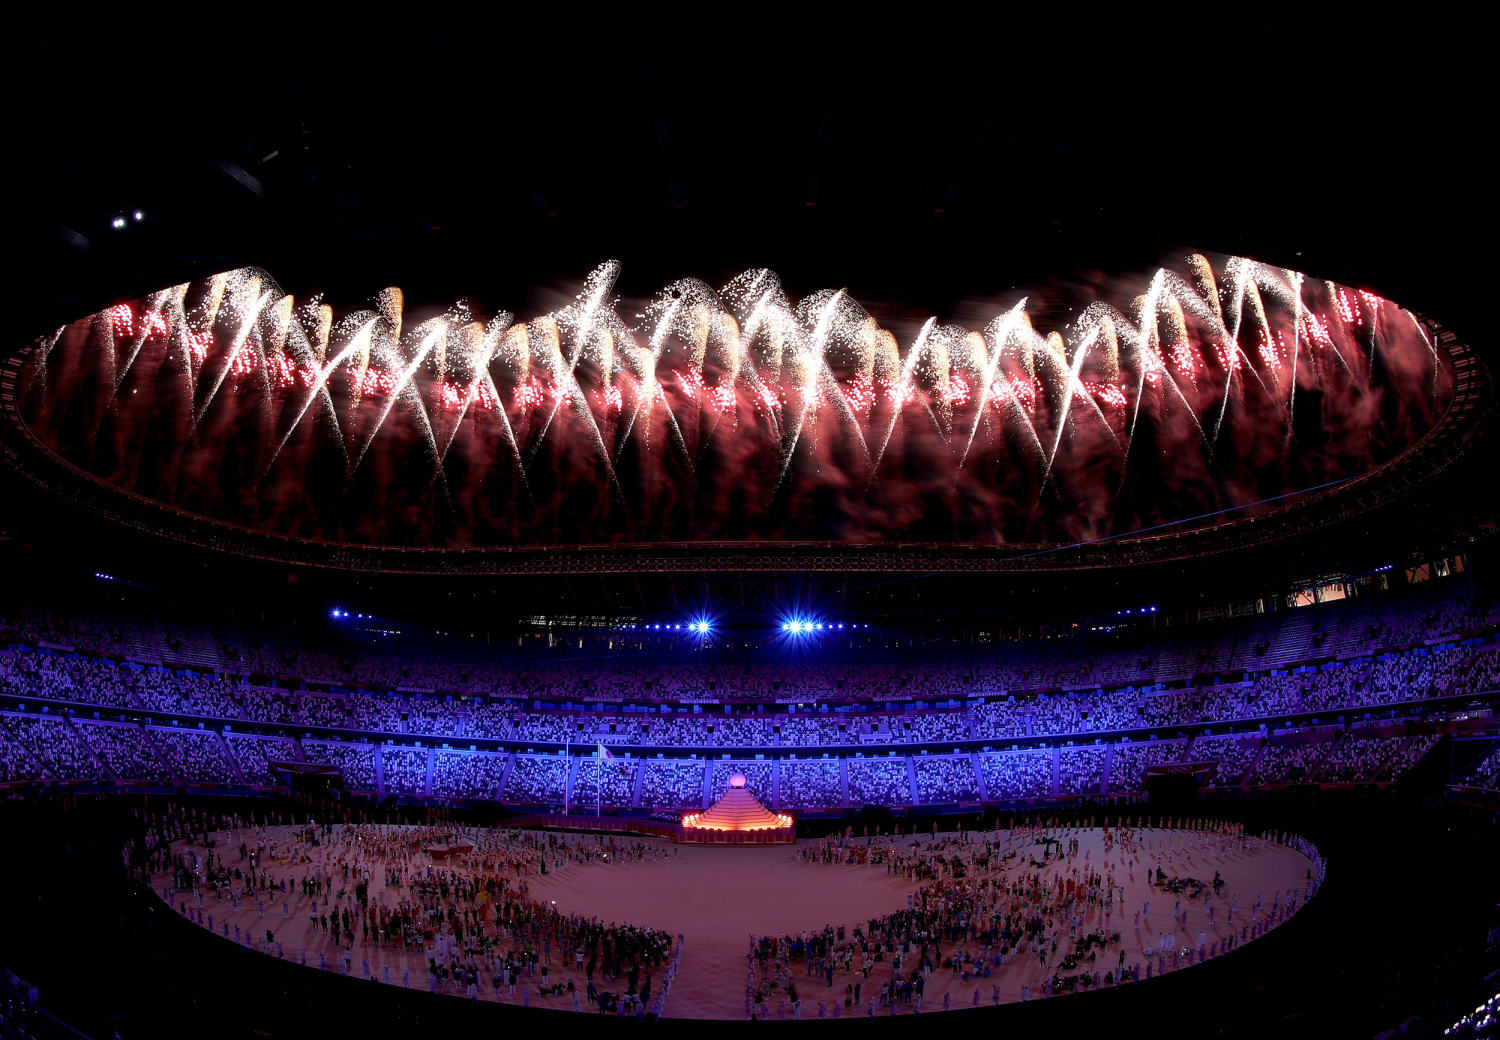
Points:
[604,754]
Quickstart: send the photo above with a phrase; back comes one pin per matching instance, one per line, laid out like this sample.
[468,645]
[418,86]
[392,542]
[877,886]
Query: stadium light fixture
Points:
[798,626]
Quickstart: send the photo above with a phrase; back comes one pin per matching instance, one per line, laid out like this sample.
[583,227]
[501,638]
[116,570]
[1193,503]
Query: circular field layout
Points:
[724,926]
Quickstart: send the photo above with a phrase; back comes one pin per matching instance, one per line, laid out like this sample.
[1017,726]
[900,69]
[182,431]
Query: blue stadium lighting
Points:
[802,626]
[702,626]
[336,612]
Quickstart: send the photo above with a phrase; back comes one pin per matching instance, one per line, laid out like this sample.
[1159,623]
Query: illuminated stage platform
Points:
[737,818]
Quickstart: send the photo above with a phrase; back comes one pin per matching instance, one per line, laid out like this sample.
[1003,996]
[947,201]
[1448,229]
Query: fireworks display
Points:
[735,414]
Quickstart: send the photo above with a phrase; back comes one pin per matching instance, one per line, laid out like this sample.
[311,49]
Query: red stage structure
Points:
[737,818]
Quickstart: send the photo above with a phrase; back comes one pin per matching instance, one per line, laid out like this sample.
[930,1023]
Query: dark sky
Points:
[919,156]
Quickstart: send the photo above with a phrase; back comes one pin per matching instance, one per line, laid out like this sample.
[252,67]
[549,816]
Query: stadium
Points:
[470,581]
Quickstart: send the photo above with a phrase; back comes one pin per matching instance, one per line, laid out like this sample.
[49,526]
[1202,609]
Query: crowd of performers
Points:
[1028,903]
[459,919]
[1020,913]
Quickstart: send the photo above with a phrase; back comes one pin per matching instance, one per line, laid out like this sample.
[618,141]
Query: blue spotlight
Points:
[799,626]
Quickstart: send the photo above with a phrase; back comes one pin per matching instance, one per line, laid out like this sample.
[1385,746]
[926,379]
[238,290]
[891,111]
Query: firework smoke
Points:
[735,413]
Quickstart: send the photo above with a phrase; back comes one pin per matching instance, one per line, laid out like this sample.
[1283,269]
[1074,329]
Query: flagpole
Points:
[567,764]
[599,782]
